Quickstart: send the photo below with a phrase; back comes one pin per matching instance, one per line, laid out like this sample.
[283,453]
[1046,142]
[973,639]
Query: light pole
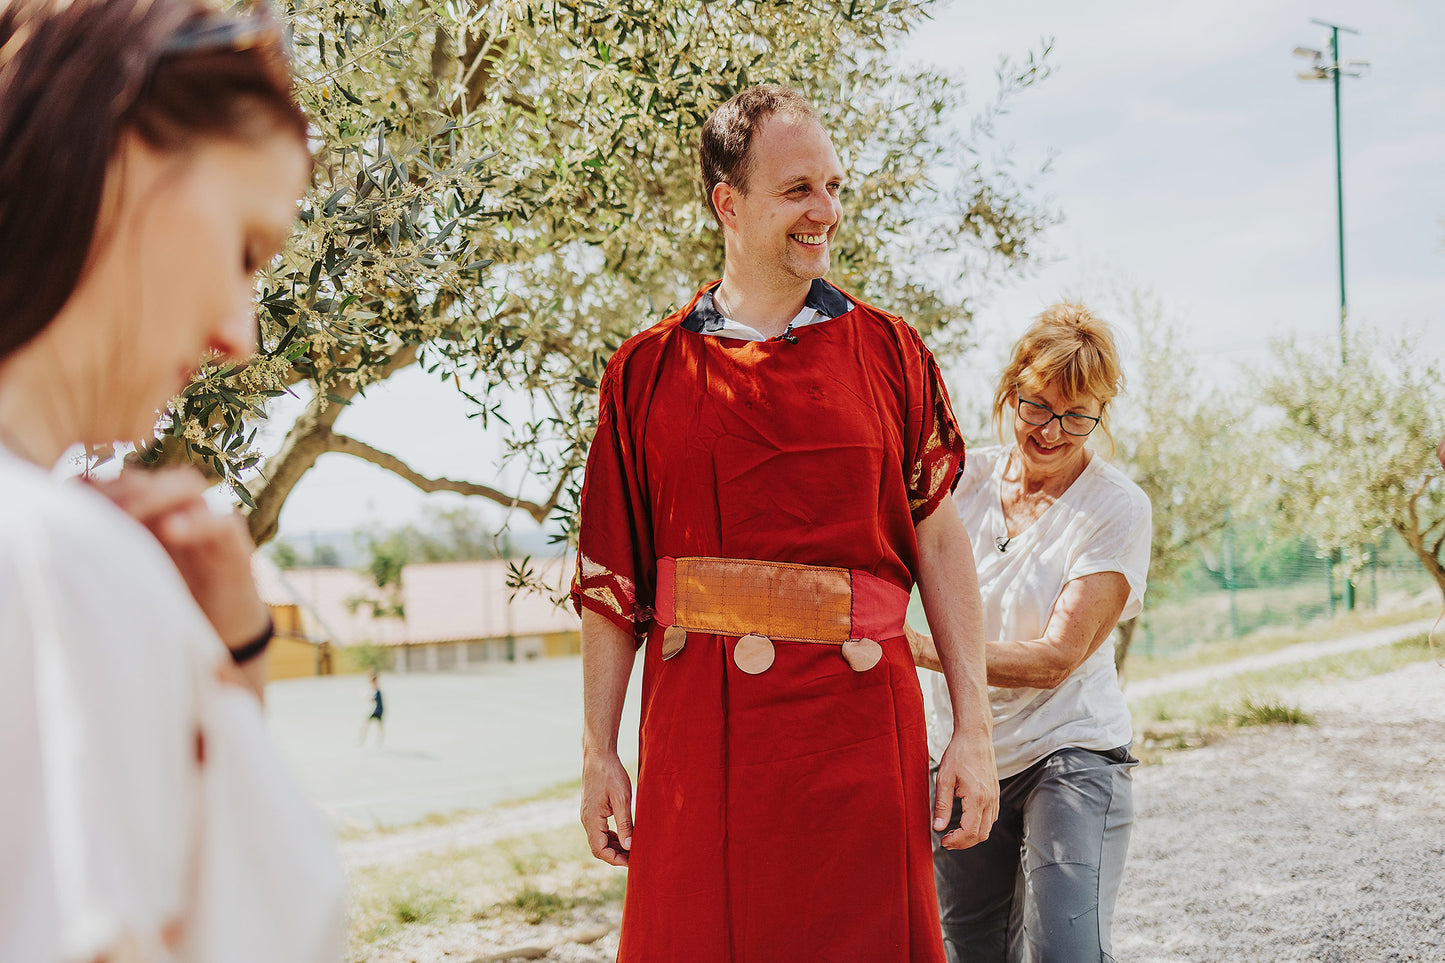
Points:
[1332,69]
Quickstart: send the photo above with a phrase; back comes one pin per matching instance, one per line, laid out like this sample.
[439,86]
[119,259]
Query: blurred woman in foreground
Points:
[1061,540]
[152,160]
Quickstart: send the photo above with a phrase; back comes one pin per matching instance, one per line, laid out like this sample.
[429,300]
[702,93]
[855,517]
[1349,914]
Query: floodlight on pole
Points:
[1331,68]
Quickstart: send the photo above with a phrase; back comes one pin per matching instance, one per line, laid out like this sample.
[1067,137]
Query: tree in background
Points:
[285,555]
[1185,444]
[369,657]
[325,556]
[1356,452]
[505,191]
[456,534]
[387,558]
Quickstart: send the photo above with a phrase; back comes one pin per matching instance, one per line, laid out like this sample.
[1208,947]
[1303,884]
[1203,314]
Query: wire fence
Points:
[1244,582]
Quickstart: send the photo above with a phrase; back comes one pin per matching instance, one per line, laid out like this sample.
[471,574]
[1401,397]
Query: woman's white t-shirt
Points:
[113,832]
[1102,523]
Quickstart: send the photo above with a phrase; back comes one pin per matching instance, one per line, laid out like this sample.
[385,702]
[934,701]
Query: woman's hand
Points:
[925,654]
[211,550]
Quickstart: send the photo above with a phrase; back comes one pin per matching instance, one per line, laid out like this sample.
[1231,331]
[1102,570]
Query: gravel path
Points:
[1313,843]
[1322,843]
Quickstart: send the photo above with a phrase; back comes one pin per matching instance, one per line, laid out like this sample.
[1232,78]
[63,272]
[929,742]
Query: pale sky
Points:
[1188,159]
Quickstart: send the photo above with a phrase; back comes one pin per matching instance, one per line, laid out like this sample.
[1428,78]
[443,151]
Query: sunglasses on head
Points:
[223,32]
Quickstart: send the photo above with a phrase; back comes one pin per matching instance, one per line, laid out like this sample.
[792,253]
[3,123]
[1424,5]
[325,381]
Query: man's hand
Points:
[212,551]
[606,793]
[967,772]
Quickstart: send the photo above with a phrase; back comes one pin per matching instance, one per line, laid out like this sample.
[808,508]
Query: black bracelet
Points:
[254,648]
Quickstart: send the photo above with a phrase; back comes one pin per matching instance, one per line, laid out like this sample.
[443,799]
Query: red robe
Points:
[780,817]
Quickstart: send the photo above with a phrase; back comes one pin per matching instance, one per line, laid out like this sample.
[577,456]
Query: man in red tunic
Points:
[761,495]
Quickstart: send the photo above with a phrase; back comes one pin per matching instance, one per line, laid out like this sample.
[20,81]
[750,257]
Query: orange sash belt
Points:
[758,602]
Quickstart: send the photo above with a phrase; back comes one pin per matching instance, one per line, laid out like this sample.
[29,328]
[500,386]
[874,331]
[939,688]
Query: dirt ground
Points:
[1322,843]
[1310,843]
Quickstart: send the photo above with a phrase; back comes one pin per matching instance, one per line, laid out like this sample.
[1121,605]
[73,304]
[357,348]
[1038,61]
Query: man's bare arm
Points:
[948,584]
[607,656]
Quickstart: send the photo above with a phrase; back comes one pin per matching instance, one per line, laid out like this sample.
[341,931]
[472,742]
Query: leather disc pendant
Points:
[862,654]
[673,640]
[754,653]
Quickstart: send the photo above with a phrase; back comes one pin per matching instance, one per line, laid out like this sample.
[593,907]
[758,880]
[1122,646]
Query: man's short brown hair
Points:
[727,135]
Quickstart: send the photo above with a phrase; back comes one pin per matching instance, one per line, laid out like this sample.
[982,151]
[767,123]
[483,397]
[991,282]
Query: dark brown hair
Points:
[727,134]
[74,76]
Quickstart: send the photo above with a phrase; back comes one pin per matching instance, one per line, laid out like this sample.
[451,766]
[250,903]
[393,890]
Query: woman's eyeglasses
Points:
[1039,415]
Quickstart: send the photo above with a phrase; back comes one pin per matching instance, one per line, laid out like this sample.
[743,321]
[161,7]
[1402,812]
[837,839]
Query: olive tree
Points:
[504,191]
[1183,443]
[1357,447]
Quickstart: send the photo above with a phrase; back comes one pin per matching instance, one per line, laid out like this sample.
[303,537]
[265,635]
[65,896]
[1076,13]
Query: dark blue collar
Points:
[822,296]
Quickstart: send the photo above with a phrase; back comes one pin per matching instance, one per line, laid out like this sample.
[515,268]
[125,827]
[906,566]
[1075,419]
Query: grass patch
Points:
[406,905]
[1140,666]
[1193,612]
[417,906]
[353,831]
[536,905]
[531,878]
[1210,704]
[1196,717]
[560,791]
[1269,712]
[529,861]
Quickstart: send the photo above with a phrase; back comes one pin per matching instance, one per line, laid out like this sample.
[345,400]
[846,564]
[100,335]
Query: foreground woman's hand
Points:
[211,550]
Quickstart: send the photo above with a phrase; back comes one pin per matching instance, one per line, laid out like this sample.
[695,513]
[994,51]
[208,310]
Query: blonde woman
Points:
[1061,539]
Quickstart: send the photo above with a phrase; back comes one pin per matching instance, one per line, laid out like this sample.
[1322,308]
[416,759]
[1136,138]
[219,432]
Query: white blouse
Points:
[111,829]
[1102,523]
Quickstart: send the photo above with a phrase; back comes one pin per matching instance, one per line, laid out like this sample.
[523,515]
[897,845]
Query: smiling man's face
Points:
[784,223]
